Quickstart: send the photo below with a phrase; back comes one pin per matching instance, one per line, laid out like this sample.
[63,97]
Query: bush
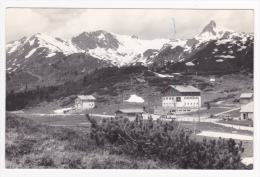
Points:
[46,161]
[166,142]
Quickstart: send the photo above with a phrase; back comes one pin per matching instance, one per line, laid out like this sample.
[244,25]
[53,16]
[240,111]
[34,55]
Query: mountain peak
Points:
[210,27]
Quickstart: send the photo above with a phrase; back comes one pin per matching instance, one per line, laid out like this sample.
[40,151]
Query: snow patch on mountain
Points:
[30,53]
[242,48]
[50,55]
[129,50]
[189,63]
[225,56]
[219,60]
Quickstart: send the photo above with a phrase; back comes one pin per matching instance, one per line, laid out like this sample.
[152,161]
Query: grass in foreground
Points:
[32,145]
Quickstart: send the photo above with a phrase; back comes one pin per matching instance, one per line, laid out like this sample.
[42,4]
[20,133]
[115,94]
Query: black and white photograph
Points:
[129,88]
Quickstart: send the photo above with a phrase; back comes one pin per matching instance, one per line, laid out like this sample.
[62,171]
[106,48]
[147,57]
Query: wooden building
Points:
[129,113]
[245,98]
[85,102]
[247,111]
[181,98]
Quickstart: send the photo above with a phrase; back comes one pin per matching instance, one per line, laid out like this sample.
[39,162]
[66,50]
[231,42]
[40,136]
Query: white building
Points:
[181,98]
[85,102]
[247,111]
[246,98]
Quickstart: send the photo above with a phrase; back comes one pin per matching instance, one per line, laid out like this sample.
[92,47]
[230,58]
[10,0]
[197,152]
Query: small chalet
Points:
[129,113]
[245,98]
[85,102]
[247,111]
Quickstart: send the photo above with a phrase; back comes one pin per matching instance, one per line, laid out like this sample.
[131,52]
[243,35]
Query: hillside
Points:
[106,84]
[100,146]
[112,85]
[214,49]
[32,145]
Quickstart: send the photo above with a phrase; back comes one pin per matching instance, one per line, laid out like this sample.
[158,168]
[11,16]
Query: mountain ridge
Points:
[51,57]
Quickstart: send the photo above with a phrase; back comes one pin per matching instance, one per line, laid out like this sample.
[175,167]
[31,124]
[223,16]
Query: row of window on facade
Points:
[169,104]
[180,110]
[188,98]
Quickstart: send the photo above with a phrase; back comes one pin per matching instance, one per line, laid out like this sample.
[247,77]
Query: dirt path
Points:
[226,111]
[225,135]
[39,77]
[238,127]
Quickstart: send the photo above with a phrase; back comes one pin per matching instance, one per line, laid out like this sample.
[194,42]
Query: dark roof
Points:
[130,110]
[182,88]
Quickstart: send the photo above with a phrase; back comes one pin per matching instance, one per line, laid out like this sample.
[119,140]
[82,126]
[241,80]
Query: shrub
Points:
[46,161]
[166,142]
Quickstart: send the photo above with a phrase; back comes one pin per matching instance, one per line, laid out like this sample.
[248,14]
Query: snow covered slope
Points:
[118,49]
[222,39]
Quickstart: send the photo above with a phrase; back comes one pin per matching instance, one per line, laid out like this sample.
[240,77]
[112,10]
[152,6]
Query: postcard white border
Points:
[131,4]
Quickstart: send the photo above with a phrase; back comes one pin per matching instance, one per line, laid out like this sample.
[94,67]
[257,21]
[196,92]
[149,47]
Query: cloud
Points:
[144,23]
[23,22]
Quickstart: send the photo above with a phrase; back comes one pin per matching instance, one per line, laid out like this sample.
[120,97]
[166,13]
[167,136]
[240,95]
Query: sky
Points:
[144,23]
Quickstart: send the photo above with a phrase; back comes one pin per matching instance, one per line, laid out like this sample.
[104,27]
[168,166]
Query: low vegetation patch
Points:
[113,143]
[166,142]
[32,145]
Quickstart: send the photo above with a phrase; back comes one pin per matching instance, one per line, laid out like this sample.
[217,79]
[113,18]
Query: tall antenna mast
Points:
[174,38]
[175,101]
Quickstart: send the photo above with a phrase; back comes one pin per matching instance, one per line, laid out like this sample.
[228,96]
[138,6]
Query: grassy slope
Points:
[31,145]
[227,88]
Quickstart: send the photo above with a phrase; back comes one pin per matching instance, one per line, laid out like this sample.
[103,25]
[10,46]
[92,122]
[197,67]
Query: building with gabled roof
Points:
[86,97]
[245,98]
[182,88]
[181,98]
[247,111]
[85,102]
[130,113]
